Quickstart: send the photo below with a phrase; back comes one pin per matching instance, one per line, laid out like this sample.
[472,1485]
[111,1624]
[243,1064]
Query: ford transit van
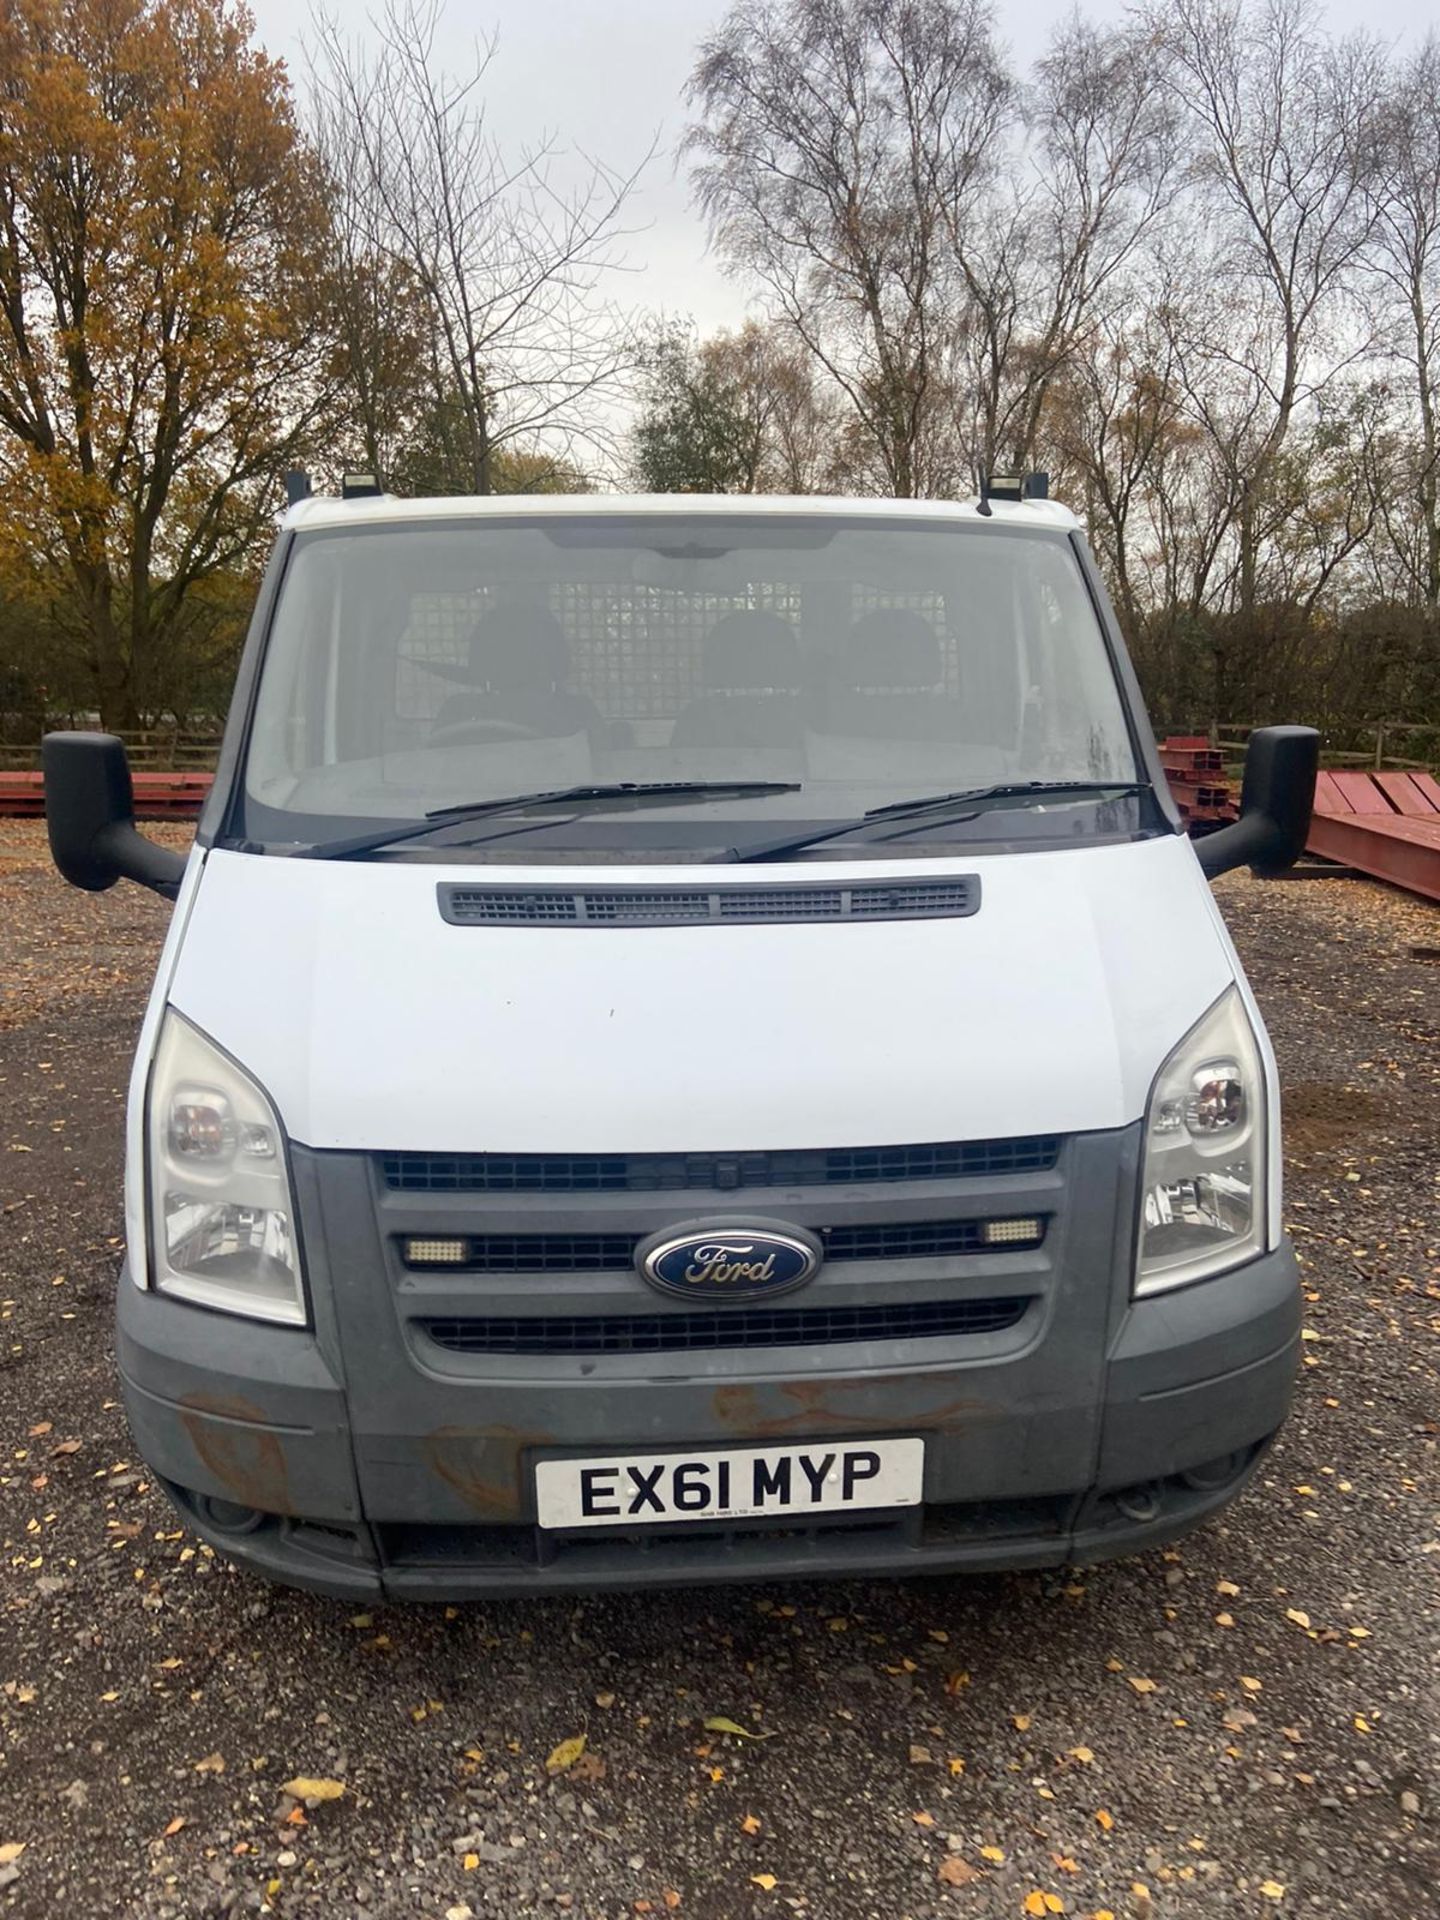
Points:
[693,1045]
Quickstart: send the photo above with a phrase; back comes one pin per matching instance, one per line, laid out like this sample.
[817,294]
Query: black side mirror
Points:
[1275,804]
[90,814]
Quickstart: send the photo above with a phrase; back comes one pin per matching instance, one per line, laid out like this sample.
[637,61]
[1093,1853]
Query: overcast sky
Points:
[608,75]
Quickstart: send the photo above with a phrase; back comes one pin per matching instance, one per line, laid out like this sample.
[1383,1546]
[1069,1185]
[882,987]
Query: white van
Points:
[693,1045]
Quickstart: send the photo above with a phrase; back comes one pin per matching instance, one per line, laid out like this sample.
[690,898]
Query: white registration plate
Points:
[737,1483]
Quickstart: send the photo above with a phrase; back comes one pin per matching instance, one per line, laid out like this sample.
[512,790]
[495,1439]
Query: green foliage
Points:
[695,432]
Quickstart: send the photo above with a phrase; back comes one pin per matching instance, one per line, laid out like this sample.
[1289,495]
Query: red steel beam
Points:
[1405,852]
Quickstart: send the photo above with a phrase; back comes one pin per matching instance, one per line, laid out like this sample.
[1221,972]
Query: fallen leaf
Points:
[313,1792]
[470,1862]
[717,1723]
[1104,1820]
[212,1763]
[11,1851]
[751,1823]
[1251,1684]
[563,1757]
[1083,1754]
[1038,1902]
[1300,1619]
[1272,1889]
[41,1428]
[671,1897]
[923,1819]
[1065,1863]
[174,1827]
[65,1446]
[1140,1685]
[995,1855]
[1021,1722]
[765,1881]
[955,1872]
[605,1700]
[1228,1588]
[956,1765]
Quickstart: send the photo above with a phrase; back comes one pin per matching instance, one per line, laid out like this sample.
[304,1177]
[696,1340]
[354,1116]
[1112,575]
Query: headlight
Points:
[222,1216]
[1204,1176]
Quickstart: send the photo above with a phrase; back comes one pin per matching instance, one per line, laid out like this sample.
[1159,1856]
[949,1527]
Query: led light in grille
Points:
[1012,1233]
[435,1253]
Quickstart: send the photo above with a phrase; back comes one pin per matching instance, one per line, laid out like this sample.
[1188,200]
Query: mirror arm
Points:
[1245,839]
[134,857]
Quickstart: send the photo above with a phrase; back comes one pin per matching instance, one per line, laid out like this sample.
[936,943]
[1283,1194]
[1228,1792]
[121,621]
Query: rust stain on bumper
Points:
[484,1466]
[818,1406]
[237,1446]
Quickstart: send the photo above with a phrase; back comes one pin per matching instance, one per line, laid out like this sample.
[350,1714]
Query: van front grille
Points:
[724,1329]
[713,1172]
[615,1252]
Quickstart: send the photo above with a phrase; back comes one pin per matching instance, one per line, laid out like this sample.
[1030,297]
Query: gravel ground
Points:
[1246,1725]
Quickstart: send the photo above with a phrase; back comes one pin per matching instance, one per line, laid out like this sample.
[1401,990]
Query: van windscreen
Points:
[418,665]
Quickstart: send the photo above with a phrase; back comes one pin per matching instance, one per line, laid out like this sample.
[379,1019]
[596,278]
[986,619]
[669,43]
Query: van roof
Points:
[383,509]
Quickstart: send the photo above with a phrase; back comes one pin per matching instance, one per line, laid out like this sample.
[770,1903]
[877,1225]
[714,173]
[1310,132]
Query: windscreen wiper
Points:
[974,800]
[616,793]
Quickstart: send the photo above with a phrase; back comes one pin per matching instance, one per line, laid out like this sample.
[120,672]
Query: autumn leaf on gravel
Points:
[1272,1889]
[1104,1820]
[1083,1754]
[174,1827]
[1040,1903]
[1298,1618]
[11,1851]
[995,1855]
[766,1882]
[41,1428]
[923,1819]
[1141,1685]
[750,1824]
[313,1792]
[955,1872]
[717,1723]
[563,1757]
[212,1763]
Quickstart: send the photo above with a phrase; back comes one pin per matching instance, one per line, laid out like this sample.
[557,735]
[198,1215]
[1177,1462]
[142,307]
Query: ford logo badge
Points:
[724,1260]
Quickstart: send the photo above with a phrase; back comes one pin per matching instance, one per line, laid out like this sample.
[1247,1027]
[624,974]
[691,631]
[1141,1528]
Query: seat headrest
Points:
[513,647]
[893,650]
[752,653]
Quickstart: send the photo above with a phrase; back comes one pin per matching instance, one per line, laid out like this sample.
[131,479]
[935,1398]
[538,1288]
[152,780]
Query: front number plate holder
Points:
[732,1483]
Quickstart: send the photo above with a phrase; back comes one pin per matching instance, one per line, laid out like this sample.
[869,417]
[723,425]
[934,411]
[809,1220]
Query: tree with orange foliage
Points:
[161,255]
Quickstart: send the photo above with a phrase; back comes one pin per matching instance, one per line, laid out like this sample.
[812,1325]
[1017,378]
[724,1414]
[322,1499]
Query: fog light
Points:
[435,1253]
[1013,1233]
[228,1516]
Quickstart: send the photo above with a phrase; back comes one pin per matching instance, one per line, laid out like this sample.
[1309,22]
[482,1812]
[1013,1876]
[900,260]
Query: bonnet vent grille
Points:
[477,906]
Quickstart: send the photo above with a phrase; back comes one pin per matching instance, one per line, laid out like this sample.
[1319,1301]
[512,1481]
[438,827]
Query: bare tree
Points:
[1043,258]
[508,264]
[1282,117]
[1403,255]
[837,144]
